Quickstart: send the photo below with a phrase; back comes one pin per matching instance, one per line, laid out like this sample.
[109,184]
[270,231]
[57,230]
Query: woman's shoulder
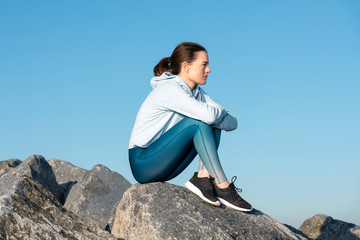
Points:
[168,86]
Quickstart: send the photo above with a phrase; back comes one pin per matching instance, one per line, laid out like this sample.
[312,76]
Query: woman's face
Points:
[198,70]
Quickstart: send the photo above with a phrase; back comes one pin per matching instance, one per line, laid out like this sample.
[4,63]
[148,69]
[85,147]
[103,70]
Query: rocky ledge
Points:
[29,211]
[166,211]
[54,199]
[323,227]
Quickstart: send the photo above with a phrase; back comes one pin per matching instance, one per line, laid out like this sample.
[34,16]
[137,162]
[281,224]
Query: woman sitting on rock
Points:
[177,121]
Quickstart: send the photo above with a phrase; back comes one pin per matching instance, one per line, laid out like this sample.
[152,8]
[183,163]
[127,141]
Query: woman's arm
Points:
[173,97]
[228,122]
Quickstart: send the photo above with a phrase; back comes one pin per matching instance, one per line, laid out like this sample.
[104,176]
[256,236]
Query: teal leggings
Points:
[169,155]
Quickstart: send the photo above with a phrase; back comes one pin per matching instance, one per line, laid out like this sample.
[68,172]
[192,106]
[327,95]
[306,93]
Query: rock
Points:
[39,169]
[112,217]
[66,172]
[323,227]
[96,194]
[297,231]
[29,211]
[167,211]
[67,175]
[6,166]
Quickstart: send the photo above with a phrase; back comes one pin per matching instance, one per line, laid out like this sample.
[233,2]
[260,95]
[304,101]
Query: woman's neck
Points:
[190,84]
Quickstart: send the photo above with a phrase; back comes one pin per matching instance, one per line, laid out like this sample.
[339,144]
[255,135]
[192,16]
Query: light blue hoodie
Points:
[170,100]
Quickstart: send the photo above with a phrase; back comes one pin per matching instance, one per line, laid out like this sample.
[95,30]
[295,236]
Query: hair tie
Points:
[169,63]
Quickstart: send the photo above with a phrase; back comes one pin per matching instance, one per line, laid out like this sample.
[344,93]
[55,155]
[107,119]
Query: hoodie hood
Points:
[167,76]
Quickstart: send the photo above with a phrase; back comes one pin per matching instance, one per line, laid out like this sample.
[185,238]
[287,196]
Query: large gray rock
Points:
[323,227]
[166,211]
[297,231]
[96,194]
[66,172]
[9,165]
[67,175]
[39,169]
[29,211]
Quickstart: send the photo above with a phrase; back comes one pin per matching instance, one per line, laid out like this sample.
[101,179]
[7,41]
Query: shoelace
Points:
[233,179]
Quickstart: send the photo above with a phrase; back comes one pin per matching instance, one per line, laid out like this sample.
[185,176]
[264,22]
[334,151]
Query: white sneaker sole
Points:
[226,203]
[197,191]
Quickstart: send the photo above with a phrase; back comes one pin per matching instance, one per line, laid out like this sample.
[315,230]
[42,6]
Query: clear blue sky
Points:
[74,73]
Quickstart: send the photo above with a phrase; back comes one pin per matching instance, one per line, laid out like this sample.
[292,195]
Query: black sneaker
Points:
[230,197]
[204,188]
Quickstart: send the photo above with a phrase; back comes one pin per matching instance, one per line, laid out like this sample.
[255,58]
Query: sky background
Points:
[73,75]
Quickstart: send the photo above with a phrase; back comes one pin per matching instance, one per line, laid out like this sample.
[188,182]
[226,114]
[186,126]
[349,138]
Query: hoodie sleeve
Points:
[172,97]
[228,122]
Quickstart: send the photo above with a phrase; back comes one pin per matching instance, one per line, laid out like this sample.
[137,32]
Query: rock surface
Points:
[297,231]
[65,171]
[323,227]
[29,211]
[96,194]
[166,211]
[39,169]
[67,175]
[9,165]
[31,208]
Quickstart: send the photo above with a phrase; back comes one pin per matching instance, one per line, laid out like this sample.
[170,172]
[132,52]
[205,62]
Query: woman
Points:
[177,121]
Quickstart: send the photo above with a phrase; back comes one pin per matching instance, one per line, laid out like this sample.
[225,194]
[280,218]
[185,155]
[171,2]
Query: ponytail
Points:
[184,52]
[162,66]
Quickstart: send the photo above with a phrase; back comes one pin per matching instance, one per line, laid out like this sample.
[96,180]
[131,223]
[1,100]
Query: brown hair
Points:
[184,52]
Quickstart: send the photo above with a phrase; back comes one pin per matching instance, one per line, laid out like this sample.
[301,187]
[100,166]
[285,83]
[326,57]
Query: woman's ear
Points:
[185,67]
